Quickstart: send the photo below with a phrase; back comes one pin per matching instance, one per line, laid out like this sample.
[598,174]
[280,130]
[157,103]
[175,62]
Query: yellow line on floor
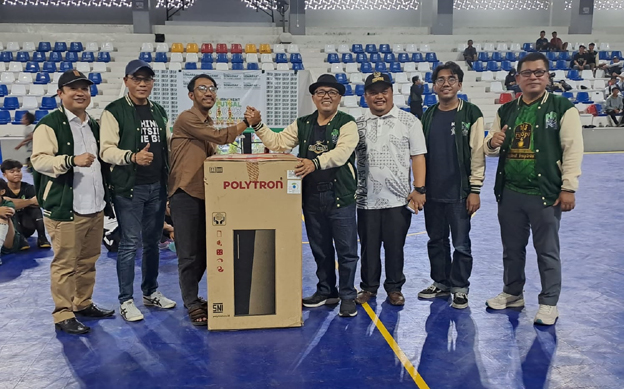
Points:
[411,370]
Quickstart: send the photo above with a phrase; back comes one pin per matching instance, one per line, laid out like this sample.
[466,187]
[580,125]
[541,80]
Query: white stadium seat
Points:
[7,78]
[28,46]
[159,66]
[330,49]
[162,47]
[292,48]
[193,57]
[18,90]
[278,48]
[12,46]
[343,49]
[351,68]
[24,78]
[266,66]
[411,48]
[283,66]
[497,87]
[30,102]
[397,48]
[176,57]
[266,58]
[15,66]
[107,46]
[36,90]
[356,78]
[147,46]
[92,46]
[99,67]
[176,65]
[84,67]
[336,68]
[350,101]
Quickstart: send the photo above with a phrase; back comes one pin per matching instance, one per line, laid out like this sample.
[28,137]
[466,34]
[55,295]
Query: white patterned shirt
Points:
[383,154]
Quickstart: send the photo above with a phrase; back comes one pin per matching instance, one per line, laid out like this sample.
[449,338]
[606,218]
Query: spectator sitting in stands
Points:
[579,61]
[542,43]
[556,44]
[613,106]
[590,57]
[612,68]
[614,82]
[510,81]
[470,54]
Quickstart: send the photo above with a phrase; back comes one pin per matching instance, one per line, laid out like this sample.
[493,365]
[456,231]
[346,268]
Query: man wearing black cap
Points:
[326,141]
[134,140]
[71,187]
[391,141]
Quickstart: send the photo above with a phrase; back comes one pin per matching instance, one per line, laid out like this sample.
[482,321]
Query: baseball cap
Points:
[377,78]
[72,76]
[135,65]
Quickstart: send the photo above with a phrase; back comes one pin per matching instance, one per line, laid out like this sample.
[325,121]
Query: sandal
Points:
[199,316]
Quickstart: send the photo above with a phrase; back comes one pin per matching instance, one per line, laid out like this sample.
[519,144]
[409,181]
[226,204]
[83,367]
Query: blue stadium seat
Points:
[94,90]
[403,57]
[436,64]
[297,66]
[104,56]
[55,57]
[342,78]
[604,55]
[333,58]
[497,56]
[427,89]
[431,57]
[162,57]
[483,56]
[237,66]
[506,66]
[206,65]
[568,95]
[366,67]
[522,54]
[375,57]
[10,103]
[38,57]
[347,58]
[381,67]
[477,66]
[430,100]
[18,117]
[492,66]
[65,66]
[5,117]
[528,46]
[428,77]
[3,90]
[39,114]
[207,58]
[462,96]
[361,57]
[32,67]
[395,67]
[75,46]
[237,58]
[190,66]
[359,89]
[583,97]
[510,56]
[357,48]
[385,48]
[371,48]
[389,57]
[565,55]
[72,56]
[552,55]
[296,58]
[281,58]
[22,56]
[363,102]
[6,56]
[143,56]
[552,65]
[418,57]
[86,56]
[44,47]
[60,47]
[96,78]
[348,90]
[574,75]
[616,54]
[49,67]
[48,103]
[252,66]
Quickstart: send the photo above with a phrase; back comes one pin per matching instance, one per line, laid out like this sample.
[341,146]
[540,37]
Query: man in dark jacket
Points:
[416,101]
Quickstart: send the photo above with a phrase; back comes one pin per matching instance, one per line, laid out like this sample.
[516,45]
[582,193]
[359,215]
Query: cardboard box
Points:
[253,241]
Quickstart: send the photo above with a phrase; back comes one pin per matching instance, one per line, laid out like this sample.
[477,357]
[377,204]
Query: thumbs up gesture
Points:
[143,157]
[498,138]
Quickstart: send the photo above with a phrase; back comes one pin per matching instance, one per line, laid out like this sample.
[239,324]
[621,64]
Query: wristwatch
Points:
[420,189]
[246,122]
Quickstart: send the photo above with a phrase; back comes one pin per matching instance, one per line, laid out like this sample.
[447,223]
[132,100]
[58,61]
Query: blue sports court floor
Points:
[424,344]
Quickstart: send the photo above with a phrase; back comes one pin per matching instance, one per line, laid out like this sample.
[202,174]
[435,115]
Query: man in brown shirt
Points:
[191,144]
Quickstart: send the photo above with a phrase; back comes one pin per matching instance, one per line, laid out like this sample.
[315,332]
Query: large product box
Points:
[253,241]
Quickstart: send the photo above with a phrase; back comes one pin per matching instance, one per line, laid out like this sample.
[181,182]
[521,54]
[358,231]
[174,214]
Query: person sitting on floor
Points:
[11,240]
[28,217]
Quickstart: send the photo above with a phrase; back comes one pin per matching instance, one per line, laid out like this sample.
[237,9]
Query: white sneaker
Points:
[546,315]
[157,299]
[505,300]
[130,312]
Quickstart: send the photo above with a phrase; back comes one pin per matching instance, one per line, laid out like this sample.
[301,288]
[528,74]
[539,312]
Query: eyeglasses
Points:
[204,89]
[538,73]
[322,93]
[451,80]
[138,80]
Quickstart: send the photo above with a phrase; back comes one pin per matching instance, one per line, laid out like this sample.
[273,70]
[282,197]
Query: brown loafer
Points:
[363,296]
[396,298]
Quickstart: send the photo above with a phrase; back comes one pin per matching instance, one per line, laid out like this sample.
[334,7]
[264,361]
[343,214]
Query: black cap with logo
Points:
[71,76]
[377,78]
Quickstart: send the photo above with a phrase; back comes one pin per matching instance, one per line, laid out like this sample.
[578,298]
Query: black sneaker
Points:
[432,292]
[43,243]
[316,300]
[460,300]
[347,308]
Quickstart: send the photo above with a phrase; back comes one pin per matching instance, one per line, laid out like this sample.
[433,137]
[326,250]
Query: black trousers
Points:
[29,220]
[388,227]
[416,109]
[614,118]
[189,218]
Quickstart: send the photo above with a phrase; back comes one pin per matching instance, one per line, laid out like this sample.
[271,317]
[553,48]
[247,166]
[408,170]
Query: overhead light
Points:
[402,5]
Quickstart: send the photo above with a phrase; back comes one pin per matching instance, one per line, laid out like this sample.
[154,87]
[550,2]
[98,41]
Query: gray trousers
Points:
[518,215]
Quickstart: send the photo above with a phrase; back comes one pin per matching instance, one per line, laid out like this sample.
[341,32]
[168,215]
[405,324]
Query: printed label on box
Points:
[294,187]
[292,176]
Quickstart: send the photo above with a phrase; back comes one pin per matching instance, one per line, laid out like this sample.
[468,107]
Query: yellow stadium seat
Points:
[265,48]
[192,48]
[177,48]
[250,48]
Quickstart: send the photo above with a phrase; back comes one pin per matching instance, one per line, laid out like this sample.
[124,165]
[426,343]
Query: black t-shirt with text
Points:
[27,191]
[317,145]
[443,178]
[150,133]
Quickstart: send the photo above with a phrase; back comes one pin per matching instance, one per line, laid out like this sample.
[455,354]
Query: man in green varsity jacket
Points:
[539,140]
[71,182]
[134,140]
[455,171]
[326,140]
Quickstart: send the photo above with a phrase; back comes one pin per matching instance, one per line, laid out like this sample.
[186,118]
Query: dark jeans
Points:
[514,88]
[469,60]
[615,121]
[325,222]
[140,219]
[388,227]
[29,220]
[518,215]
[189,218]
[416,109]
[440,219]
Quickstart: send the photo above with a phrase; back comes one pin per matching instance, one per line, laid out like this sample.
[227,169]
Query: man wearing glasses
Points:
[191,143]
[134,140]
[391,142]
[455,172]
[538,138]
[326,140]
